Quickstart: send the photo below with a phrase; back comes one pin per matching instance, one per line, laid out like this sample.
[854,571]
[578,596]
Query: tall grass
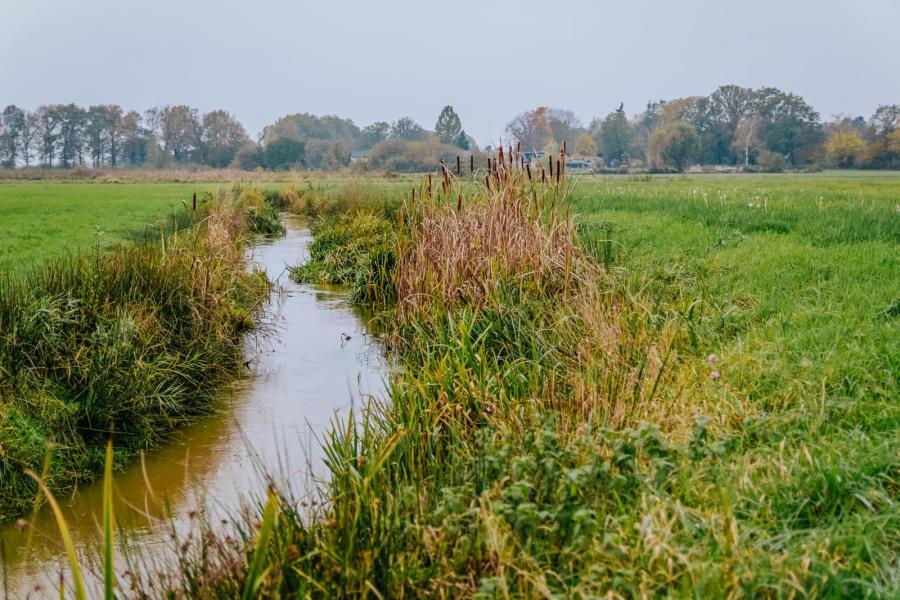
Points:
[134,341]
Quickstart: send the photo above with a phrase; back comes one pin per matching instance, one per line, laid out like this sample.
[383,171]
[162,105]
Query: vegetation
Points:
[762,129]
[129,343]
[688,388]
[45,219]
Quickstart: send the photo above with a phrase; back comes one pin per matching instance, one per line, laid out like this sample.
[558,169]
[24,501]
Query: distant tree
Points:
[135,138]
[47,133]
[726,108]
[405,128]
[12,122]
[178,129]
[616,135]
[674,144]
[374,133]
[114,132]
[585,146]
[565,127]
[884,122]
[462,140]
[788,122]
[283,154]
[448,126]
[532,129]
[221,137]
[746,138]
[304,127]
[844,147]
[96,131]
[29,139]
[71,119]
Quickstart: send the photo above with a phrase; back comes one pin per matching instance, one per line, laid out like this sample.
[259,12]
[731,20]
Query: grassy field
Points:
[675,385]
[688,389]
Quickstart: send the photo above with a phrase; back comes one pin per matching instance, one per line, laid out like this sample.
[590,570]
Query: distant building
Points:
[356,155]
[530,156]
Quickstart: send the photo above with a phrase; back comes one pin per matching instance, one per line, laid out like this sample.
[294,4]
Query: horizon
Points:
[287,72]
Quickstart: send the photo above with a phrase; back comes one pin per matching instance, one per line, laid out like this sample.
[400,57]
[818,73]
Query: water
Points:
[316,362]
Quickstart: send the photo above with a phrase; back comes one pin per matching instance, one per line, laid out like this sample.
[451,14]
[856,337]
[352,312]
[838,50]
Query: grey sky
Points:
[381,60]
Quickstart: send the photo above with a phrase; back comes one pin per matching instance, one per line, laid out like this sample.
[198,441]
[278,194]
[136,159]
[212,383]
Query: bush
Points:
[770,162]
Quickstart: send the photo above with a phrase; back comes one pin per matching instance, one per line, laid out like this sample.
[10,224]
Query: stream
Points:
[315,362]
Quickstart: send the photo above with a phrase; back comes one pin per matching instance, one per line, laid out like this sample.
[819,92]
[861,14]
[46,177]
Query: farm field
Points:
[39,220]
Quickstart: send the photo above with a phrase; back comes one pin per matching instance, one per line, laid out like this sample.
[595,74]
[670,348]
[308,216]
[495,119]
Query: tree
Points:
[179,130]
[304,127]
[727,107]
[448,126]
[844,147]
[47,132]
[532,129]
[788,122]
[585,146]
[29,137]
[96,130]
[462,140]
[405,128]
[12,122]
[674,144]
[70,140]
[565,126]
[616,135]
[373,134]
[884,122]
[221,137]
[135,139]
[746,138]
[283,154]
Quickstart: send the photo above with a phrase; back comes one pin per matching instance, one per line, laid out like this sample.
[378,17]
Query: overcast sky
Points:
[372,61]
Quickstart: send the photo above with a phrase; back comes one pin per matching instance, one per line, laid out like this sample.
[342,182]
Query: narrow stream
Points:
[314,365]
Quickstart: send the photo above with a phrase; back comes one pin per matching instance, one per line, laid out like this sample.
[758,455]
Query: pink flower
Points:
[711,358]
[714,375]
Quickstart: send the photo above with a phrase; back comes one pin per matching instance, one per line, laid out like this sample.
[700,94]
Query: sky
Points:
[378,61]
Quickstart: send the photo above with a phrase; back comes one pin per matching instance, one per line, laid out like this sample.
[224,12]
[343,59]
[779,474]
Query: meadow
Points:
[636,386]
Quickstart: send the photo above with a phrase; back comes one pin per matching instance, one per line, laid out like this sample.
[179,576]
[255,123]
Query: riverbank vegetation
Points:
[129,343]
[677,388]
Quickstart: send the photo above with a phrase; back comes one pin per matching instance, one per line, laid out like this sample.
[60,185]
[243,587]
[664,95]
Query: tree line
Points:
[763,128]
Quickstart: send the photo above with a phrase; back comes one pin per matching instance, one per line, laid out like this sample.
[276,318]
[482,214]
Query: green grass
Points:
[41,220]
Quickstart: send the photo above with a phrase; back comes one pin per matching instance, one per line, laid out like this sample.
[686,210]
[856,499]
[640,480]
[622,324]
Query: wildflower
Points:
[714,375]
[711,358]
[20,525]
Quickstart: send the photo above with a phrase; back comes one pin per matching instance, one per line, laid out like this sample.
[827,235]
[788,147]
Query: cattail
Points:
[558,170]
[551,167]
[414,196]
[458,169]
[528,170]
[472,164]
[487,182]
[564,149]
[543,175]
[459,203]
[429,185]
[194,203]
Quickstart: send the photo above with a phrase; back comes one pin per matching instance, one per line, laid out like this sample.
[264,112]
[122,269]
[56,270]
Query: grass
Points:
[636,387]
[712,413]
[130,343]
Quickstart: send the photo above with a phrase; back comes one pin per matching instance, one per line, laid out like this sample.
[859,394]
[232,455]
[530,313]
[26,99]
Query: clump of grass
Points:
[134,341]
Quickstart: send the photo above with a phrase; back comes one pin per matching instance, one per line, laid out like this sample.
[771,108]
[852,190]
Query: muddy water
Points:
[312,366]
